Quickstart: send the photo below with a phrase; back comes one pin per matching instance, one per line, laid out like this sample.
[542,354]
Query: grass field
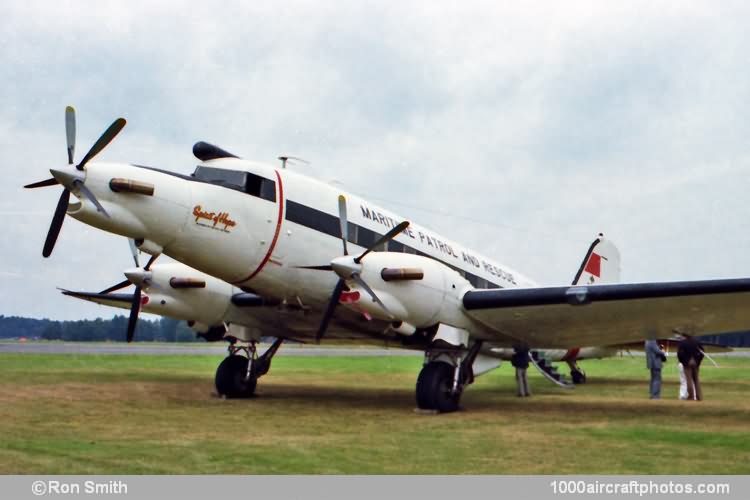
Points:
[67,414]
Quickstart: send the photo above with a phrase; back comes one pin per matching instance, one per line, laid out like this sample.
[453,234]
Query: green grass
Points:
[68,414]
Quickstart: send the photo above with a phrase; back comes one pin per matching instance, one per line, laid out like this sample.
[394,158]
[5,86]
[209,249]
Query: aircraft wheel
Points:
[434,388]
[578,377]
[230,378]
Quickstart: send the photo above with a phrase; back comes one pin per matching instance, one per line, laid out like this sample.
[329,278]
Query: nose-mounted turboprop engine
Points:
[73,180]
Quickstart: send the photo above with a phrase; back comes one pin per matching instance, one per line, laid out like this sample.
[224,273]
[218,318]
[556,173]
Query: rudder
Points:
[600,265]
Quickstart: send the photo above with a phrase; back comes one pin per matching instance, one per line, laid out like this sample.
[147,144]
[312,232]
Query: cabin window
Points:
[395,246]
[366,237]
[314,219]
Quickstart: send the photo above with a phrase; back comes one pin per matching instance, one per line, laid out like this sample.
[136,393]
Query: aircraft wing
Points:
[671,345]
[121,300]
[599,315]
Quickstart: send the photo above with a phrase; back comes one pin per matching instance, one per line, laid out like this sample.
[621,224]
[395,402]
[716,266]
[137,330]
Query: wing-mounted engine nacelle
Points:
[176,291]
[417,291]
[181,292]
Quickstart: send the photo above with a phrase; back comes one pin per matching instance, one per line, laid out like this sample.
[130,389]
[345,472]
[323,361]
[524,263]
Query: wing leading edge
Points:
[574,316]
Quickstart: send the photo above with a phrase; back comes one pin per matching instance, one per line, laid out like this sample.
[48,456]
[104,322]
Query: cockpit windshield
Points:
[241,181]
[229,178]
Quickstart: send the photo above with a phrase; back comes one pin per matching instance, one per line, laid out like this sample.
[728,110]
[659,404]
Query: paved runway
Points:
[220,349]
[217,349]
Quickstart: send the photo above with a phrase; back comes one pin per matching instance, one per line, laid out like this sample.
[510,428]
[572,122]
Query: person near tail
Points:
[690,355]
[520,361]
[654,359]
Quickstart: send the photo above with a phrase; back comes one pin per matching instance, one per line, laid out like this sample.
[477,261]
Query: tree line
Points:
[85,330]
[171,330]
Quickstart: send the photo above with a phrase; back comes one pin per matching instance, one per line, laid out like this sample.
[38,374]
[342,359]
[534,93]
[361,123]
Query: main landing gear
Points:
[237,376]
[576,374]
[443,378]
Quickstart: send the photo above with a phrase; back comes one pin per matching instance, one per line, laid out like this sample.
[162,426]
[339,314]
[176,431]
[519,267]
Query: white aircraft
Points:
[292,240]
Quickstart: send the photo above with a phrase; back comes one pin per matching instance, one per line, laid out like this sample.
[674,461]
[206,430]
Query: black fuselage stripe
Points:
[329,224]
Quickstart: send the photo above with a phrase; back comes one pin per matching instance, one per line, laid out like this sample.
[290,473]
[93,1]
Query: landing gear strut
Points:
[443,378]
[237,376]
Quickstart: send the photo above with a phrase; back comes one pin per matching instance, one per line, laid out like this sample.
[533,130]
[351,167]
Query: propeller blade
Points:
[326,267]
[329,310]
[57,221]
[118,286]
[150,261]
[103,140]
[88,194]
[44,183]
[386,237]
[134,310]
[358,279]
[70,132]
[134,251]
[343,222]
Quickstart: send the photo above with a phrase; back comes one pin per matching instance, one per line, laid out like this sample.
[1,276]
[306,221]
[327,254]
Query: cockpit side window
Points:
[261,187]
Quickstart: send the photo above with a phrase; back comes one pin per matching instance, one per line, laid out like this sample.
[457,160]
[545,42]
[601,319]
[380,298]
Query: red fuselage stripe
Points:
[275,236]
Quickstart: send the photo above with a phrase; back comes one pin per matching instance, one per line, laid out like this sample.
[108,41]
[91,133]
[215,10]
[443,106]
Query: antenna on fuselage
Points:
[292,160]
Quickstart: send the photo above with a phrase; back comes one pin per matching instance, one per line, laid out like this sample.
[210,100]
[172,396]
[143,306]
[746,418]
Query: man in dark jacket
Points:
[520,360]
[690,354]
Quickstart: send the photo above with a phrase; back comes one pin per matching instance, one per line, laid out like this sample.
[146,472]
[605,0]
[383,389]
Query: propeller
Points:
[138,277]
[350,268]
[72,180]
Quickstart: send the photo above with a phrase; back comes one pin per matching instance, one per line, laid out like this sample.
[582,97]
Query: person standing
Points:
[690,355]
[654,359]
[520,361]
[683,381]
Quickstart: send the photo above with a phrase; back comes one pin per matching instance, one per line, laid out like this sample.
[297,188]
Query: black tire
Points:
[434,388]
[230,378]
[578,377]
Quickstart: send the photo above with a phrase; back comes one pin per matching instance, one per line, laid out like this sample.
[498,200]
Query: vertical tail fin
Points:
[600,265]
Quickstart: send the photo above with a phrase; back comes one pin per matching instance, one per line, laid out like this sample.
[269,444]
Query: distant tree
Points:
[52,331]
[168,329]
[171,330]
[185,333]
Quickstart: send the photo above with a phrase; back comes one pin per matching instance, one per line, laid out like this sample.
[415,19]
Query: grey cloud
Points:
[547,121]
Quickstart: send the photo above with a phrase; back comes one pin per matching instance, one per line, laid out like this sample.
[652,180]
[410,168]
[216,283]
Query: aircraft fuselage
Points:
[250,224]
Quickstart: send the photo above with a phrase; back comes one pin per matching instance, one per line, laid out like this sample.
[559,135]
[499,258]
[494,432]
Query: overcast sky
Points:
[536,125]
